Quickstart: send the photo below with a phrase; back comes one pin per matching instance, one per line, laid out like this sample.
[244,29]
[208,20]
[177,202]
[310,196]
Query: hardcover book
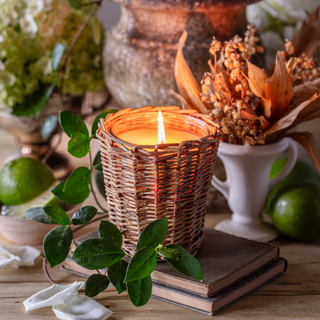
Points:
[226,297]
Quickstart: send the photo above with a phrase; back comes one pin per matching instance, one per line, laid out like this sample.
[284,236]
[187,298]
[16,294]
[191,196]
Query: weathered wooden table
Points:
[295,295]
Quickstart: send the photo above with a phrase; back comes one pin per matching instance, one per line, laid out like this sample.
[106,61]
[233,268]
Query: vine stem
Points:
[92,221]
[73,43]
[46,271]
[91,185]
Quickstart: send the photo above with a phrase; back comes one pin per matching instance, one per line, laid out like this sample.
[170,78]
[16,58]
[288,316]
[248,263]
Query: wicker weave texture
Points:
[145,183]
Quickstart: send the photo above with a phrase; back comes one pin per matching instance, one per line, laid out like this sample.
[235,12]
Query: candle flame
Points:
[161,132]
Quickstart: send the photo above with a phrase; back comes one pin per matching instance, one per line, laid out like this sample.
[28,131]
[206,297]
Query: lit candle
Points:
[153,136]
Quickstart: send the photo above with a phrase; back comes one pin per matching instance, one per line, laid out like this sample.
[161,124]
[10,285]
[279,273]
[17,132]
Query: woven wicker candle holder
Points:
[151,181]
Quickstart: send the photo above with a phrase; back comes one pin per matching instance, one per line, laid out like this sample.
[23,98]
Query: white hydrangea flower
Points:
[43,65]
[35,7]
[2,66]
[28,25]
[8,79]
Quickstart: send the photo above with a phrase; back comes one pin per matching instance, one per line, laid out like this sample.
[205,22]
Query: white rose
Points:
[28,25]
[257,16]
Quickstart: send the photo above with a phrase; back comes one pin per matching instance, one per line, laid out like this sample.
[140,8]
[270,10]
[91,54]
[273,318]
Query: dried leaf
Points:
[184,103]
[304,91]
[307,38]
[248,114]
[257,79]
[187,84]
[279,91]
[265,125]
[293,118]
[307,142]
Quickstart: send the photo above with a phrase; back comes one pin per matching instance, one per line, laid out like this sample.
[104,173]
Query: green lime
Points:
[44,199]
[296,211]
[300,172]
[23,179]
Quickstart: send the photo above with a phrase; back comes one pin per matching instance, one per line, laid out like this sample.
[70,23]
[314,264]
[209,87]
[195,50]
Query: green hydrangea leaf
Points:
[96,254]
[57,214]
[71,123]
[79,145]
[96,121]
[83,215]
[33,104]
[186,264]
[153,234]
[38,214]
[49,126]
[142,264]
[71,198]
[116,275]
[110,232]
[56,244]
[95,284]
[78,181]
[57,54]
[139,291]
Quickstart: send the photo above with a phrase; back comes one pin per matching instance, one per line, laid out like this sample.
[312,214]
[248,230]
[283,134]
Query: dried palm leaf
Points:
[279,91]
[293,118]
[187,84]
[307,38]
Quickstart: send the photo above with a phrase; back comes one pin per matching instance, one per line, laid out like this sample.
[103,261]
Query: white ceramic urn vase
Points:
[248,184]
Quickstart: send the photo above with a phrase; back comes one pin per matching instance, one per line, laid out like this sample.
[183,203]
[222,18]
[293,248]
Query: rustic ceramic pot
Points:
[28,232]
[27,131]
[248,184]
[140,49]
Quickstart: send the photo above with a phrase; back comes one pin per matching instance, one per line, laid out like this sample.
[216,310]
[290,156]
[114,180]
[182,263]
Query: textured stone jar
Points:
[140,49]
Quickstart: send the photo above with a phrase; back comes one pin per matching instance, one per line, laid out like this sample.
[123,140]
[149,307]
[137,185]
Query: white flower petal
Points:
[82,308]
[55,295]
[28,25]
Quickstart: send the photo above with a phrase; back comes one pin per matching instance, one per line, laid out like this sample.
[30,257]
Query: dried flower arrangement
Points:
[251,106]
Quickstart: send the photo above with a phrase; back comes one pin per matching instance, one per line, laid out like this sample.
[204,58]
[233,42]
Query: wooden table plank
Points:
[296,295]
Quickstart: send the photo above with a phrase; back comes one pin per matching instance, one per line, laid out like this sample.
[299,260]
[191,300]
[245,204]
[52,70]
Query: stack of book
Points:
[232,269]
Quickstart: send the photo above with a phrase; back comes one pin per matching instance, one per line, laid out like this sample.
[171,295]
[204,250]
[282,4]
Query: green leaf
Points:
[83,215]
[116,275]
[142,264]
[99,179]
[110,232]
[57,54]
[169,253]
[56,244]
[95,284]
[139,291]
[78,181]
[97,254]
[37,214]
[153,234]
[187,264]
[33,104]
[102,114]
[57,214]
[97,162]
[71,198]
[79,145]
[70,123]
[96,29]
[75,4]
[49,126]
